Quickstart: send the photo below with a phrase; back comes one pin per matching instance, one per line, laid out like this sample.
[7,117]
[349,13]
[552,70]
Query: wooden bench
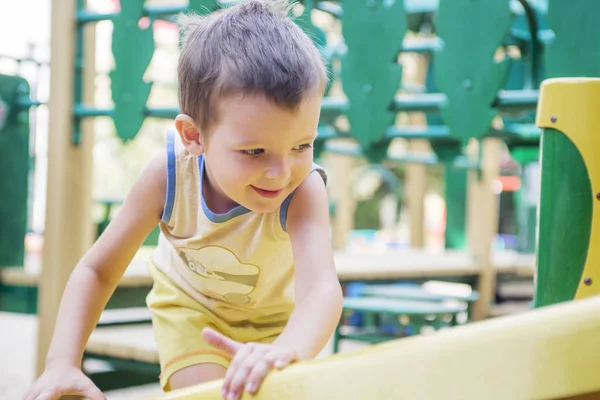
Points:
[130,342]
[28,275]
[394,265]
[388,266]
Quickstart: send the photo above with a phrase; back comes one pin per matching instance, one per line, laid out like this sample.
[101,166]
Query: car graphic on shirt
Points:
[221,274]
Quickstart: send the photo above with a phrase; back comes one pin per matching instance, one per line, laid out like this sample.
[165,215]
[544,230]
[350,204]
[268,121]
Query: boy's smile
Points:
[269,194]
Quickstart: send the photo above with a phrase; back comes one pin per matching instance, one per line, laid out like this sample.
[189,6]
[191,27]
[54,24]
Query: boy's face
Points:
[257,153]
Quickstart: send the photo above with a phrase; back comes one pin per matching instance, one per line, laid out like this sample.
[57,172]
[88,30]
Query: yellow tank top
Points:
[238,265]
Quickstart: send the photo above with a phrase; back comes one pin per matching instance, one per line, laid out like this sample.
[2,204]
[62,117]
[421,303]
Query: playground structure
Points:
[486,88]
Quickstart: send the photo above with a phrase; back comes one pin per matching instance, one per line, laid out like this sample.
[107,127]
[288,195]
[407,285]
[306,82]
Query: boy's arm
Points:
[97,274]
[318,295]
[318,298]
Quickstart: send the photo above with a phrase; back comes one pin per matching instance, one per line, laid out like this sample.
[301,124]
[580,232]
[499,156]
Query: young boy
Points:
[244,279]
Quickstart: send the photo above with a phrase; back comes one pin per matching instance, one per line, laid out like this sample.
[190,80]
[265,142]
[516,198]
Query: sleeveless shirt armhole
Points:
[171,177]
[286,203]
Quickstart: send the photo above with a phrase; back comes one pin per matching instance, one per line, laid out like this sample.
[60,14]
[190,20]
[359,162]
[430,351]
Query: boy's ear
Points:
[190,134]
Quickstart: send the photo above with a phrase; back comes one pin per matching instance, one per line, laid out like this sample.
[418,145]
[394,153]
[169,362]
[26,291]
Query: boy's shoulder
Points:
[310,193]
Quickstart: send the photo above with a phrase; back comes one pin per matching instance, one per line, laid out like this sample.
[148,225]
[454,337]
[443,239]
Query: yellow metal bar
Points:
[571,105]
[547,353]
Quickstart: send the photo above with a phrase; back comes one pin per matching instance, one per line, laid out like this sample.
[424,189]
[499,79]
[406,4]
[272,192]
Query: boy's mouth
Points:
[269,194]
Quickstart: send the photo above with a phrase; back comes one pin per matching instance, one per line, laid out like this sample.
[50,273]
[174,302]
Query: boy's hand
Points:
[62,380]
[250,362]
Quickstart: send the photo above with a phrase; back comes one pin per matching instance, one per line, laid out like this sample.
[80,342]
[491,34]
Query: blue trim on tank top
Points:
[171,178]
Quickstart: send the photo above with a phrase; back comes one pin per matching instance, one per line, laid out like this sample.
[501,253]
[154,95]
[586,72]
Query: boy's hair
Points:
[251,48]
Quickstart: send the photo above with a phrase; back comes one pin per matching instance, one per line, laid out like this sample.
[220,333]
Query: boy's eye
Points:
[253,152]
[303,147]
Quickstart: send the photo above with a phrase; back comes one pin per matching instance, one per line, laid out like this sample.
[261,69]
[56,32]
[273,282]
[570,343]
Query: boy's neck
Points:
[216,201]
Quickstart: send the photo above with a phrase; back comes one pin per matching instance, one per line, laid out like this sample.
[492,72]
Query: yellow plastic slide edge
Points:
[546,353]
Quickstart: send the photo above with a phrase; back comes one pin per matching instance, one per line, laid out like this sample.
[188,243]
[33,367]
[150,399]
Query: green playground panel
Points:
[573,50]
[565,219]
[14,170]
[18,299]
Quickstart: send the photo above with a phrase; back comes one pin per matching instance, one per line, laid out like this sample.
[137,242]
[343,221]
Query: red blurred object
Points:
[510,183]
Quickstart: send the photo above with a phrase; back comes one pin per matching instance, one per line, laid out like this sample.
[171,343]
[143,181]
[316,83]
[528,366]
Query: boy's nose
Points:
[277,170]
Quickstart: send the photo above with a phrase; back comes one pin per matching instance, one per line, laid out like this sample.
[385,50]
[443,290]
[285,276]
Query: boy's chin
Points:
[264,208]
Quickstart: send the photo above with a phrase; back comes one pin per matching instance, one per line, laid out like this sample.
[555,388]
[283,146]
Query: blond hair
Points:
[251,48]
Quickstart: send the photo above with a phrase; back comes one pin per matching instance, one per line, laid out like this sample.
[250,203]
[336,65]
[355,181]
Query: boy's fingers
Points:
[285,360]
[93,393]
[87,389]
[237,363]
[220,341]
[239,376]
[257,375]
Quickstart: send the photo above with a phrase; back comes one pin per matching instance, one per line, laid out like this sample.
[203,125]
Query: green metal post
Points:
[14,170]
[456,207]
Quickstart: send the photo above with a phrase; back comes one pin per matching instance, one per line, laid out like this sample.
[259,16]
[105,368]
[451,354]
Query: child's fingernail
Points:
[279,364]
[251,387]
[224,393]
[232,396]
